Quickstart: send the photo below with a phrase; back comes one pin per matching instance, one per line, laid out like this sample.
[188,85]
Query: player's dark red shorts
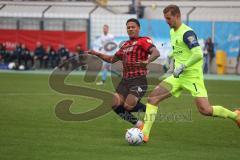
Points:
[136,86]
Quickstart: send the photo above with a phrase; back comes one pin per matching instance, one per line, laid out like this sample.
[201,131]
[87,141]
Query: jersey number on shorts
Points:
[195,87]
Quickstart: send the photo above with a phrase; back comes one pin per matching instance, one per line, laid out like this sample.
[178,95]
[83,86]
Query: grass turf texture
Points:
[30,130]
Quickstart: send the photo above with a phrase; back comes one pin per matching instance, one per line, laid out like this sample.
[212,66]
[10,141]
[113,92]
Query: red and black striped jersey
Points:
[132,51]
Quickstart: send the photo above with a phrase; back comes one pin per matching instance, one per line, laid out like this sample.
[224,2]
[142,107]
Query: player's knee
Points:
[153,99]
[116,100]
[128,107]
[115,103]
[204,106]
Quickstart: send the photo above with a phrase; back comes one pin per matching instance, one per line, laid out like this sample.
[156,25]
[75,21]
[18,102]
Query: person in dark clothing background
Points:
[27,57]
[54,57]
[209,54]
[64,55]
[38,55]
[238,61]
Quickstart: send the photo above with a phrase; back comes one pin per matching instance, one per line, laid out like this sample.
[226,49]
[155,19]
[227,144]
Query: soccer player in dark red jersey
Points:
[135,54]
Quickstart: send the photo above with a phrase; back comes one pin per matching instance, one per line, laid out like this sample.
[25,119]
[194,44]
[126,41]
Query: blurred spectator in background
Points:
[80,53]
[2,53]
[38,55]
[17,55]
[205,58]
[74,58]
[238,60]
[46,57]
[5,54]
[27,57]
[64,55]
[209,54]
[136,8]
[79,50]
[139,9]
[106,46]
[54,57]
[131,9]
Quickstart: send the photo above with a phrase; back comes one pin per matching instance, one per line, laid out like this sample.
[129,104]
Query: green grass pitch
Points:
[30,130]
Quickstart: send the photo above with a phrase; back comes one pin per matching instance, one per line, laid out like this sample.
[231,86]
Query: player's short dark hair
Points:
[174,9]
[133,20]
[106,25]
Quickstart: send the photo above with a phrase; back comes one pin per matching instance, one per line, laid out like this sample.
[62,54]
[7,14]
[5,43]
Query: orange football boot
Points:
[238,119]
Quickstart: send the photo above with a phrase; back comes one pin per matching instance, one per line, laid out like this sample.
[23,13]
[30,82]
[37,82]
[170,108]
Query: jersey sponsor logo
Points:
[134,43]
[177,52]
[149,41]
[129,49]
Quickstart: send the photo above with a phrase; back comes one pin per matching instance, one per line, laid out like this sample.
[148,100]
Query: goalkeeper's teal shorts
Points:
[194,85]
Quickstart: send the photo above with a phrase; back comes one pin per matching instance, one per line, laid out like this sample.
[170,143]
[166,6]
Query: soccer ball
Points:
[134,136]
[21,67]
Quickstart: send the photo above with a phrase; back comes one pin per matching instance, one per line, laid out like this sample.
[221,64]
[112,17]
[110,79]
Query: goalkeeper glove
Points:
[178,71]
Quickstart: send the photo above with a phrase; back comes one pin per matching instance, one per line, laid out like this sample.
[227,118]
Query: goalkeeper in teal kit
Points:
[187,75]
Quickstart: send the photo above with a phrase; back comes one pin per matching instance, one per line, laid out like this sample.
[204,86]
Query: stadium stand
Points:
[73,15]
[216,10]
[22,11]
[68,11]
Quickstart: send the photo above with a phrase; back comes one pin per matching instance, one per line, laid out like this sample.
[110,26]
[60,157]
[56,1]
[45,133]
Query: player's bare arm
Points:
[107,58]
[154,54]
